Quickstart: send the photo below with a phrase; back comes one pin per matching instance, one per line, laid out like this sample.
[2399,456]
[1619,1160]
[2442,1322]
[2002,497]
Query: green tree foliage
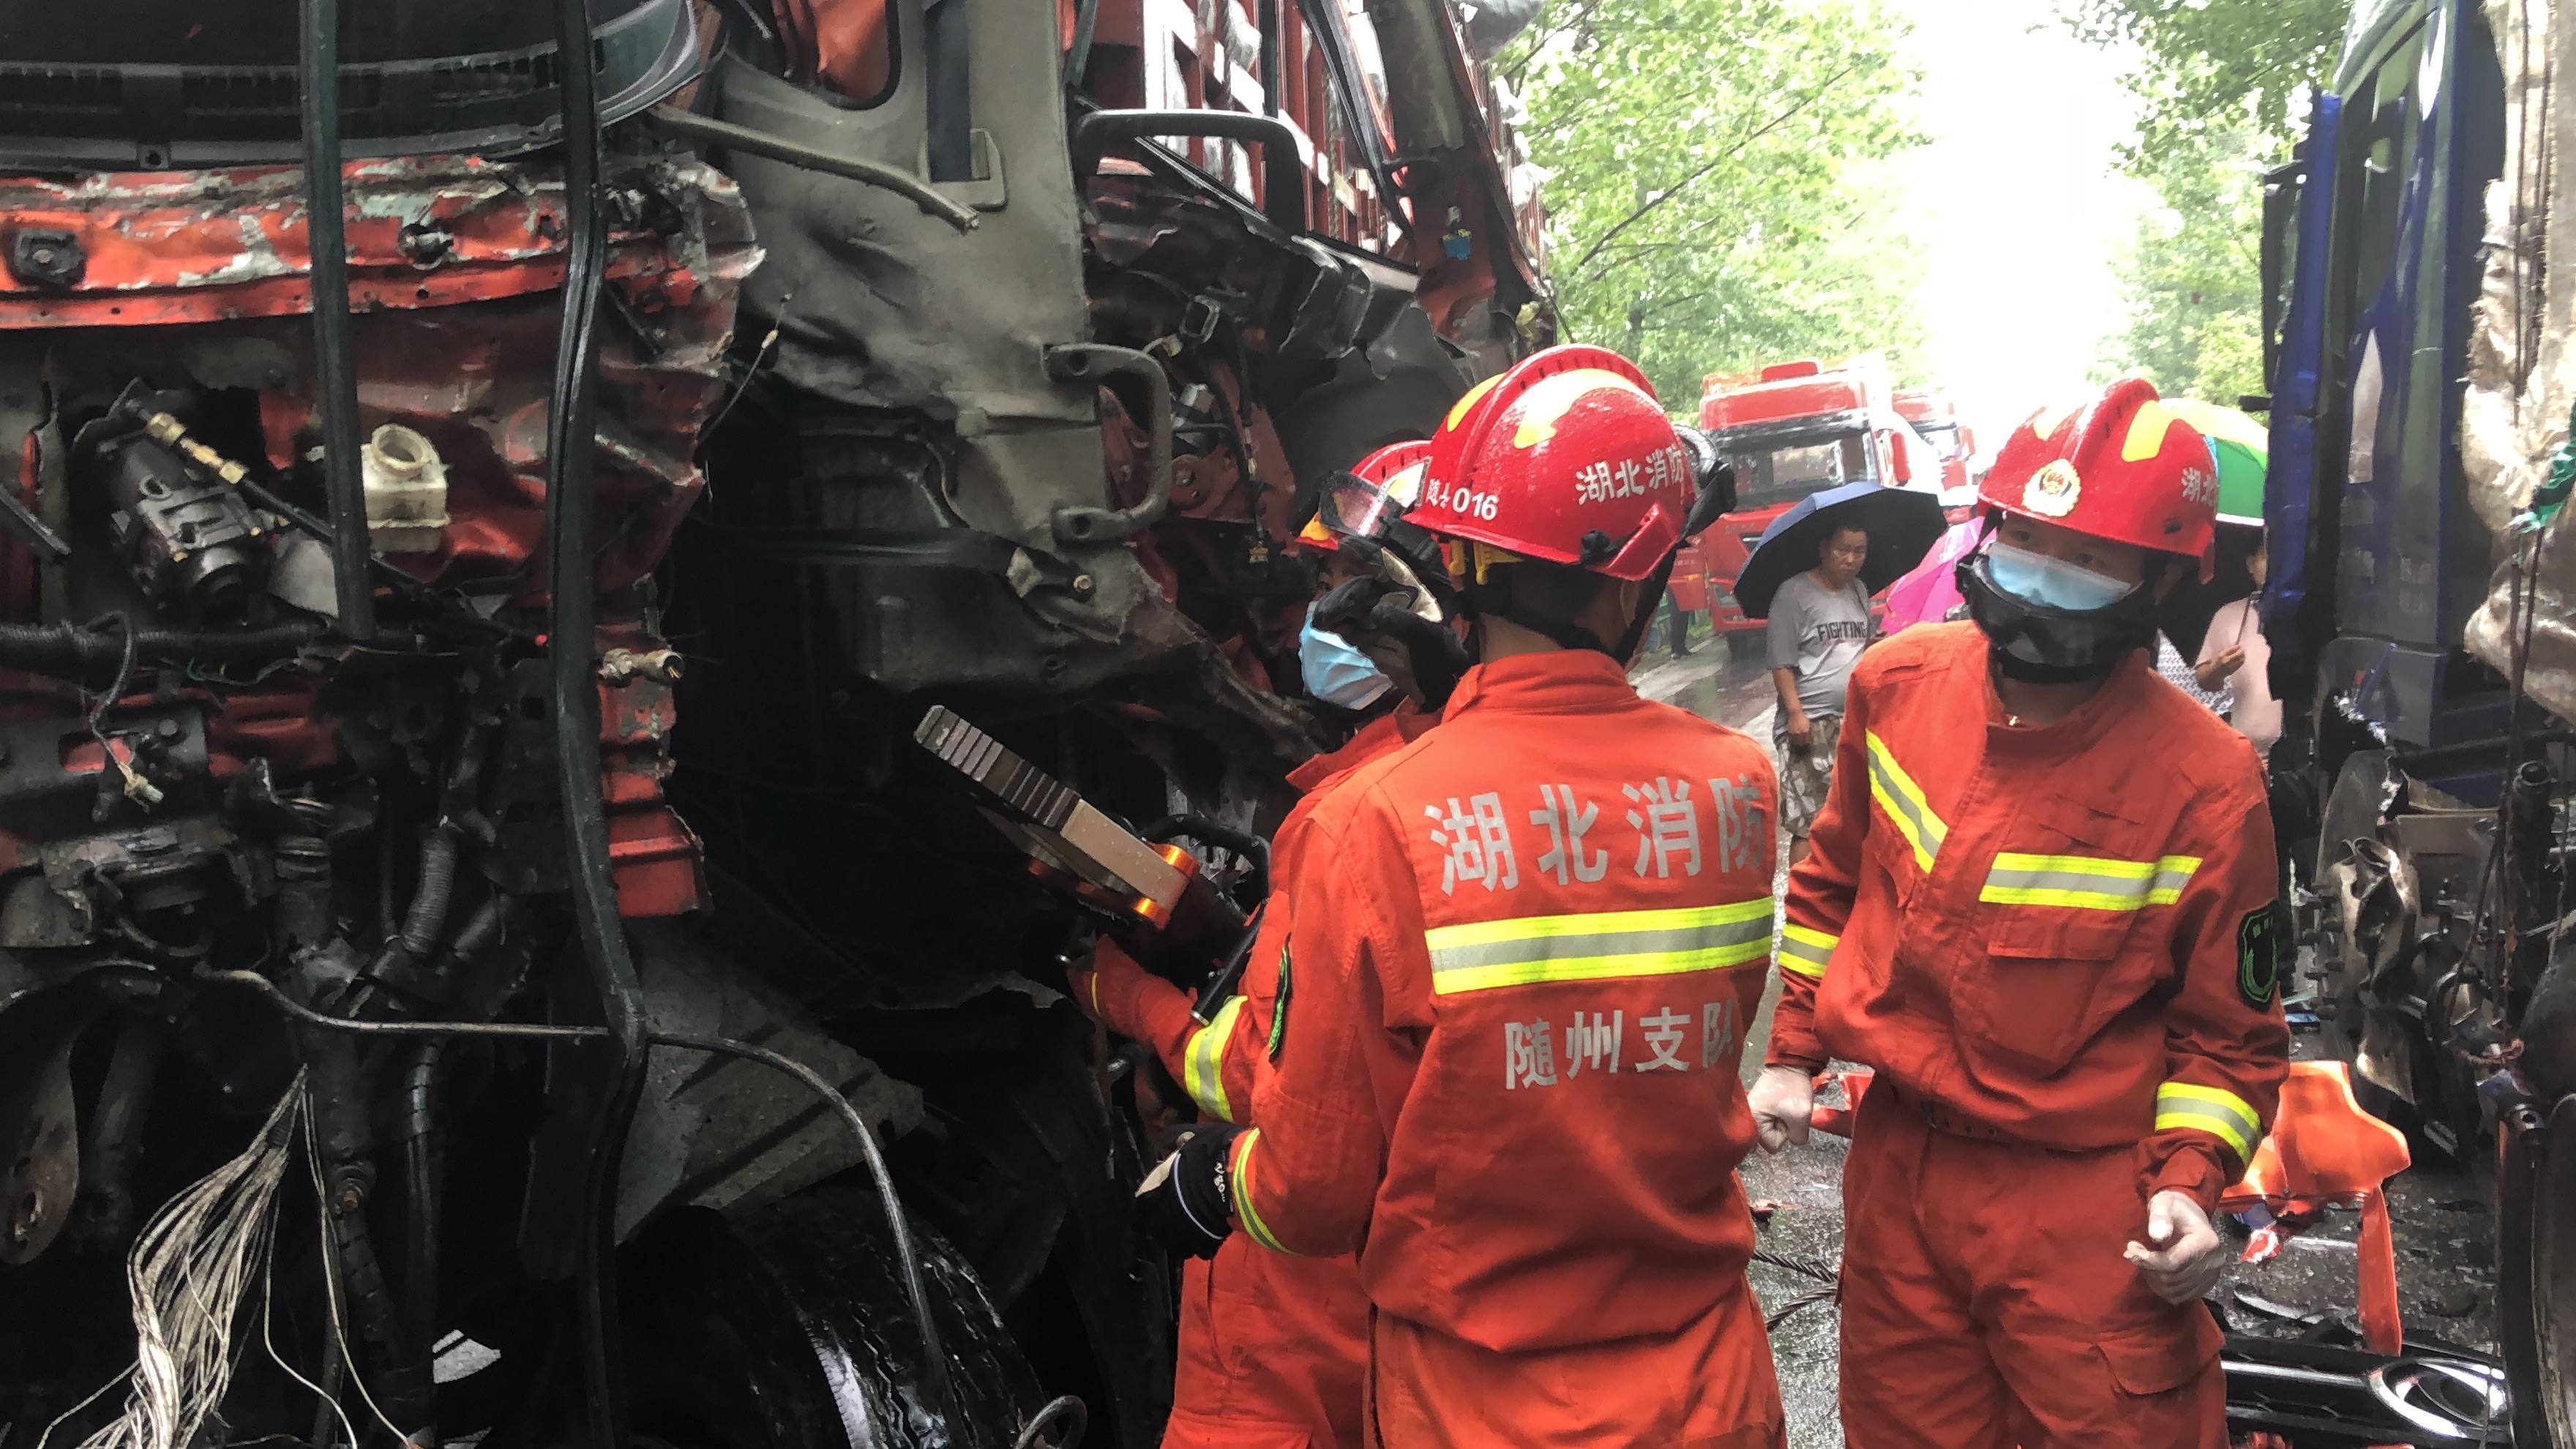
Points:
[1709,166]
[2222,87]
[2193,276]
[2216,71]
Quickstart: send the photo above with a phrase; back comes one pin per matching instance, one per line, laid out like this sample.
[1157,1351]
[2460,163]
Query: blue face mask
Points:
[2036,578]
[1335,671]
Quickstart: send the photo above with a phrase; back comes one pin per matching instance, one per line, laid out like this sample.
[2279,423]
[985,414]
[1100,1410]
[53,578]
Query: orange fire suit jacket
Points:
[2063,934]
[1270,1347]
[1522,955]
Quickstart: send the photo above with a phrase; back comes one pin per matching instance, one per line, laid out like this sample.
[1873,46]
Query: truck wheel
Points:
[789,1327]
[2536,1276]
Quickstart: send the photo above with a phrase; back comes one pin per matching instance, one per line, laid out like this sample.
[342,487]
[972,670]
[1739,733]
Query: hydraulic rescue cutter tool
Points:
[1155,898]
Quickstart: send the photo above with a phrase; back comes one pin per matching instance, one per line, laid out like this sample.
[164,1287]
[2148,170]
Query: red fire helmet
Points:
[1566,458]
[2121,466]
[1377,490]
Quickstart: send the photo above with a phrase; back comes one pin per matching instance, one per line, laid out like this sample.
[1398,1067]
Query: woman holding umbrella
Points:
[2235,659]
[1811,576]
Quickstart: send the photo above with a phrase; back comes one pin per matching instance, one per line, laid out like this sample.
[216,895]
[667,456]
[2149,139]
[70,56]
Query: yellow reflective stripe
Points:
[2222,1114]
[1244,1212]
[1483,955]
[1902,799]
[2087,882]
[1203,1061]
[1805,951]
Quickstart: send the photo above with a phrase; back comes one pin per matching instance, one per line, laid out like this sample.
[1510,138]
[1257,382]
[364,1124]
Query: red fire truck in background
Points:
[1935,418]
[1792,429]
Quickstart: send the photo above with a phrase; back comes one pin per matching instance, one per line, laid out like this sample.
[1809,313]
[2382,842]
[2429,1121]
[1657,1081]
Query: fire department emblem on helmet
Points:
[2051,492]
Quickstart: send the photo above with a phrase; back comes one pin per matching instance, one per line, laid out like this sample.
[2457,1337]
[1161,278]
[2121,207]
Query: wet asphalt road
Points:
[2444,1231]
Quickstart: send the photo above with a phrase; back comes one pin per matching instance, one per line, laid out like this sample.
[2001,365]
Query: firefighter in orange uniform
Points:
[1271,1348]
[2040,904]
[1513,990]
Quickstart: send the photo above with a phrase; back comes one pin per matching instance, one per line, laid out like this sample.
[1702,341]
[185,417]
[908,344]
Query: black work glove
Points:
[1185,1199]
[1424,658]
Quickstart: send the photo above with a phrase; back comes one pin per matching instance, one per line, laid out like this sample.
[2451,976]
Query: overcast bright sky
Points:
[2017,203]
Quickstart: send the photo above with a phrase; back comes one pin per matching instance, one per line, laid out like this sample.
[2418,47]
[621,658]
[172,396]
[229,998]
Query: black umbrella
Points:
[1903,524]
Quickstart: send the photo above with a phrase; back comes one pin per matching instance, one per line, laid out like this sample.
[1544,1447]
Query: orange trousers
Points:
[1272,1350]
[1710,1386]
[1985,1302]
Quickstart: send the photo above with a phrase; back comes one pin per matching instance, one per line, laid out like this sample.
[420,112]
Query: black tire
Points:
[789,1329]
[2536,1278]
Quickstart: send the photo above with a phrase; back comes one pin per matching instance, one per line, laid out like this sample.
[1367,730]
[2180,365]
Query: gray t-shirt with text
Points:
[1819,632]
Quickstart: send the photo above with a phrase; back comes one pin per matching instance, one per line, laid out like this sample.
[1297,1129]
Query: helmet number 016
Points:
[1462,500]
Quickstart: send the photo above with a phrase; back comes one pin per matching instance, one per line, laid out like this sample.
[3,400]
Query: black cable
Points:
[335,368]
[115,688]
[571,437]
[510,1030]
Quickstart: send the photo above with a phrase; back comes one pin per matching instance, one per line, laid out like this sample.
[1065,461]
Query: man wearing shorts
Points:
[1819,624]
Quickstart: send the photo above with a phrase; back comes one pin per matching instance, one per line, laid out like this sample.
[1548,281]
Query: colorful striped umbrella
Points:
[2241,446]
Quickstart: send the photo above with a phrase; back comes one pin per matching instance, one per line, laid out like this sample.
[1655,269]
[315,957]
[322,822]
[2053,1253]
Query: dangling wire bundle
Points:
[188,1272]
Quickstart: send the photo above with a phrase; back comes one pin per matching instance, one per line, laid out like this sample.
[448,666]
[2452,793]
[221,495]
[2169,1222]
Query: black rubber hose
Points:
[72,649]
[571,437]
[342,1130]
[428,914]
[304,914]
[407,1373]
[335,366]
[420,1187]
[481,932]
[411,943]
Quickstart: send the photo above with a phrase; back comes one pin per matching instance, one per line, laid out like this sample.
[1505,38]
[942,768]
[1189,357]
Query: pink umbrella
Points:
[1926,595]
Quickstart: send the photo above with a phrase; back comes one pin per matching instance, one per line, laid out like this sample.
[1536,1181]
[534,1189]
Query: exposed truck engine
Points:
[473,562]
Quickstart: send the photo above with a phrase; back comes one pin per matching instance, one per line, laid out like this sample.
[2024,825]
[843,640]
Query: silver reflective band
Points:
[1806,951]
[1896,792]
[2213,1110]
[1486,954]
[2087,882]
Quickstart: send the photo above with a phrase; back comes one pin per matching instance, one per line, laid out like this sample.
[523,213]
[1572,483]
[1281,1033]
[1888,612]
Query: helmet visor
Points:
[1356,508]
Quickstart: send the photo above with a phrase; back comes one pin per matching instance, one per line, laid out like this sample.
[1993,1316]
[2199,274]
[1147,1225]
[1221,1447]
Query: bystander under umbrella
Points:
[1902,524]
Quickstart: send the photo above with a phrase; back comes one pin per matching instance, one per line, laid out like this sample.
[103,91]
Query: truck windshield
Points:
[1785,466]
[1944,438]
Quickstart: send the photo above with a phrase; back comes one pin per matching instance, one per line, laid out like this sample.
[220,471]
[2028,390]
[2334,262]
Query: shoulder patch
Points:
[2258,957]
[1279,1007]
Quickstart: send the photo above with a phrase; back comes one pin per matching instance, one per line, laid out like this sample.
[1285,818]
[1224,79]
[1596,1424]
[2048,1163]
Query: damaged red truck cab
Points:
[1793,429]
